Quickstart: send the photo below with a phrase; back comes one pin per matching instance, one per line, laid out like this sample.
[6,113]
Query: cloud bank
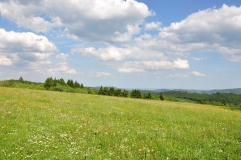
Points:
[102,20]
[211,30]
[28,51]
[25,46]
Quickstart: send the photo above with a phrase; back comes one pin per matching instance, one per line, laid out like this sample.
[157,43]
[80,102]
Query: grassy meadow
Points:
[55,125]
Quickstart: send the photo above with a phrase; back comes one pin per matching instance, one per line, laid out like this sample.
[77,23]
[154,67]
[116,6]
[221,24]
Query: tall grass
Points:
[53,125]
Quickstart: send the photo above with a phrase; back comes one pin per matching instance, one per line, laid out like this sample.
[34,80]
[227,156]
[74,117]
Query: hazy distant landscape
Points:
[229,98]
[234,90]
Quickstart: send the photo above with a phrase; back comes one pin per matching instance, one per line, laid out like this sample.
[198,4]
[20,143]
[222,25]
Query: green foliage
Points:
[71,90]
[61,82]
[77,85]
[48,83]
[90,91]
[148,96]
[55,81]
[105,91]
[17,84]
[58,88]
[70,83]
[217,99]
[161,97]
[117,93]
[125,93]
[136,93]
[111,91]
[60,85]
[224,102]
[5,83]
[21,80]
[100,91]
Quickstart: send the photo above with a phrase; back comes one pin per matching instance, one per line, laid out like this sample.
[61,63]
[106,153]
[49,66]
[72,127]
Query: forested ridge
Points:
[226,99]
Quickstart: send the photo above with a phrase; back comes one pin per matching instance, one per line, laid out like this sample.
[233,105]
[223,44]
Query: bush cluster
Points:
[113,92]
[57,83]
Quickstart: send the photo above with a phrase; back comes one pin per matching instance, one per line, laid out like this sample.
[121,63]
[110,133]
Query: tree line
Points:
[50,83]
[56,84]
[221,99]
[111,91]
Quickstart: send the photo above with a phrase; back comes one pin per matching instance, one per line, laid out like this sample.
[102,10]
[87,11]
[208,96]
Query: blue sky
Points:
[128,44]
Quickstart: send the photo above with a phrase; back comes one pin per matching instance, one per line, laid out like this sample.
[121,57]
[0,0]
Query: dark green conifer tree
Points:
[100,90]
[125,93]
[149,95]
[21,80]
[76,84]
[111,91]
[61,81]
[136,94]
[224,102]
[161,97]
[70,83]
[105,91]
[117,93]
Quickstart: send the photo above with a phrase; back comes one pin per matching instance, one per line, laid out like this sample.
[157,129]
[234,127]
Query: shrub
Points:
[90,91]
[58,88]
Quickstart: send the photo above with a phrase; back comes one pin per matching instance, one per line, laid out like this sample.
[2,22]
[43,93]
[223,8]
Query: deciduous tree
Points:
[48,83]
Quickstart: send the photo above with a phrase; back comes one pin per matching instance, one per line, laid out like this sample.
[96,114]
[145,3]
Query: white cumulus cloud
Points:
[143,66]
[197,74]
[62,68]
[113,53]
[129,69]
[5,61]
[24,46]
[192,74]
[62,56]
[98,20]
[102,74]
[178,76]
[210,30]
[29,52]
[153,26]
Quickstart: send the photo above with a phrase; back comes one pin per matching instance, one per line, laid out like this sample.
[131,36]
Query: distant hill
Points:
[162,90]
[144,90]
[235,91]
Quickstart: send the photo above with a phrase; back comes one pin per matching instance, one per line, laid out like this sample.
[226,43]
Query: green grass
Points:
[54,125]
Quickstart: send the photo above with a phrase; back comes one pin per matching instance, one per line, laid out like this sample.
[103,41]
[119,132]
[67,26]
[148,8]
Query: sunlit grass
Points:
[52,125]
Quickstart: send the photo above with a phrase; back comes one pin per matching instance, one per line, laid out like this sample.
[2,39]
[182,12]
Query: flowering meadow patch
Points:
[53,125]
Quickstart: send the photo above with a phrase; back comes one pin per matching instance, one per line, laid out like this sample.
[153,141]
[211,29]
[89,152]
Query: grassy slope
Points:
[52,125]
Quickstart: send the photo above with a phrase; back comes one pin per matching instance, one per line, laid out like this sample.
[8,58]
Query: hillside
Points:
[234,90]
[230,100]
[57,125]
